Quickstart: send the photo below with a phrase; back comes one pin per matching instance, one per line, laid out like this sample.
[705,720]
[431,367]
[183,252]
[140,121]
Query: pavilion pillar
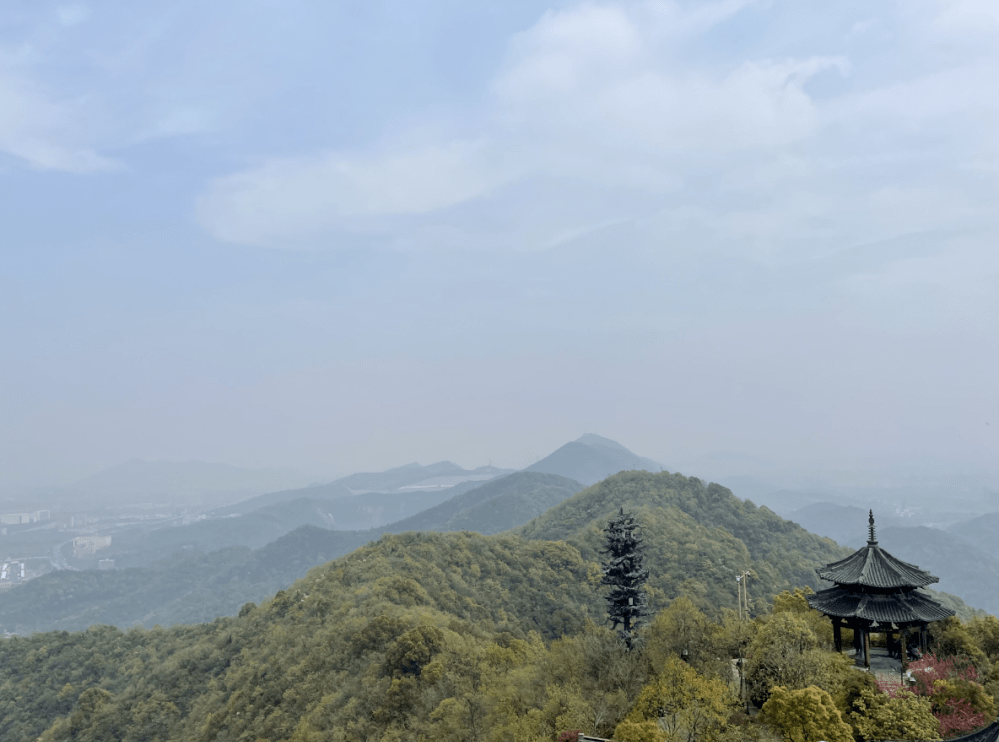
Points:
[837,634]
[867,648]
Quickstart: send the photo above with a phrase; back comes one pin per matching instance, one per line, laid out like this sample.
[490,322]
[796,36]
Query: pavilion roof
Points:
[872,566]
[912,607]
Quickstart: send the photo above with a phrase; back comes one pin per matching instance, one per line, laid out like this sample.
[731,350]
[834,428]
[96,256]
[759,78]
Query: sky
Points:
[345,236]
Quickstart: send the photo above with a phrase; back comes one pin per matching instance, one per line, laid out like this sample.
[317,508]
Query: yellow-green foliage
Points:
[785,652]
[805,715]
[683,628]
[952,638]
[851,685]
[984,631]
[686,705]
[697,538]
[639,731]
[796,602]
[877,716]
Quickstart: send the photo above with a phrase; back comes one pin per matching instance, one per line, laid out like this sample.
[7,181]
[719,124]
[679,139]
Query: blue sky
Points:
[342,236]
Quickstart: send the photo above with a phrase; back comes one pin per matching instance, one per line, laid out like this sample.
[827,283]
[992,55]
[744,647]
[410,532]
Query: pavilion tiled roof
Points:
[872,566]
[911,607]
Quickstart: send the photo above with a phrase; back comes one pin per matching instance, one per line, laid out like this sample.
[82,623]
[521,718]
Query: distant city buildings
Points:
[15,519]
[105,564]
[11,574]
[84,545]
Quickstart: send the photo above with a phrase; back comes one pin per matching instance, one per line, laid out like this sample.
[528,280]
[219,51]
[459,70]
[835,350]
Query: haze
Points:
[341,237]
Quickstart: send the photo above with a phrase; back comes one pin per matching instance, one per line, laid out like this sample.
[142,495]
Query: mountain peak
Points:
[592,458]
[598,441]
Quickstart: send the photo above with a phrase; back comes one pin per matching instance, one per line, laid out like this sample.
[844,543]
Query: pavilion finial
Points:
[871,538]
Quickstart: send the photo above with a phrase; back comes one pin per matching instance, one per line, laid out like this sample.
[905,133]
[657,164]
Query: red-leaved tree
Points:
[959,703]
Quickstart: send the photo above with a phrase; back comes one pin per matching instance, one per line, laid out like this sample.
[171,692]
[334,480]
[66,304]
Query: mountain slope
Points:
[844,524]
[140,547]
[496,506]
[964,570]
[189,586]
[693,533]
[979,532]
[441,474]
[591,458]
[258,675]
[331,491]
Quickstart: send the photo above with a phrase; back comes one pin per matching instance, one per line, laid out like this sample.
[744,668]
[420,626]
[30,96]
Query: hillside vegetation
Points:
[420,636]
[698,537]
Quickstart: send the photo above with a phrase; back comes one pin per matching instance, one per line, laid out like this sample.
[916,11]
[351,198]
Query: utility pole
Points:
[743,595]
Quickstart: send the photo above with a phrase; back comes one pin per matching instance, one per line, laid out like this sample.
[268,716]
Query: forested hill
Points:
[342,648]
[418,635]
[698,537]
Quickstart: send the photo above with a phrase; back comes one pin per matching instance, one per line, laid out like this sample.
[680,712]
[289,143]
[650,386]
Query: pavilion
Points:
[876,593]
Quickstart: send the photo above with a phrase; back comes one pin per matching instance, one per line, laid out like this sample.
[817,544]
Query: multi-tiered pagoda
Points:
[877,593]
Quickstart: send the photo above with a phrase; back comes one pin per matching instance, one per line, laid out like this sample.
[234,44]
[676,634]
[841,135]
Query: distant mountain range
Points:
[263,519]
[495,506]
[980,532]
[368,500]
[844,524]
[964,569]
[189,586]
[412,477]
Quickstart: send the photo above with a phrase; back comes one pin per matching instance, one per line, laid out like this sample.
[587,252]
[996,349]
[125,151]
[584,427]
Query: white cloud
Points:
[72,91]
[39,131]
[976,16]
[295,198]
[585,97]
[609,113]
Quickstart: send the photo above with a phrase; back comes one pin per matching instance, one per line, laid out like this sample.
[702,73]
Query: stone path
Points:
[883,666]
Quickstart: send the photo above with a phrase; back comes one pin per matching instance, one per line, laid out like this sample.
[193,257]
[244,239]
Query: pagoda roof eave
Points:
[908,608]
[872,566]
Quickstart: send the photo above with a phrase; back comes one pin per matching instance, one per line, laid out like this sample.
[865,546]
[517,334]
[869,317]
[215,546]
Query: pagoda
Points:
[876,593]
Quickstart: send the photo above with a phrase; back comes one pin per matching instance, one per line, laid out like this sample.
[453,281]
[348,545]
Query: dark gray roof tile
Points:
[898,608]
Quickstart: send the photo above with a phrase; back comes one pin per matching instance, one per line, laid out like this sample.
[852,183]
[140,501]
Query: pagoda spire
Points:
[871,538]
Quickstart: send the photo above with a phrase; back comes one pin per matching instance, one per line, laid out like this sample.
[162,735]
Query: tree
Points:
[684,705]
[680,629]
[781,653]
[903,716]
[624,573]
[957,700]
[805,715]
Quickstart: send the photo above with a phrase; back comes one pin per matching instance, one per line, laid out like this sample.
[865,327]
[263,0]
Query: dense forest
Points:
[441,636]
